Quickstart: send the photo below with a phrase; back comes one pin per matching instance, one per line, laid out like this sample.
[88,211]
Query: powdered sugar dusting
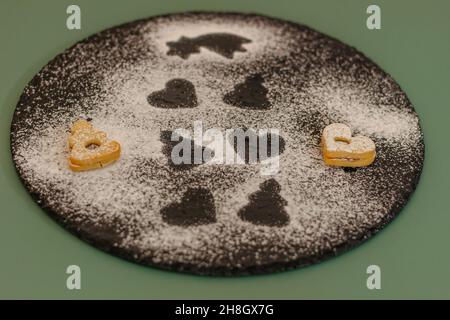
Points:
[108,79]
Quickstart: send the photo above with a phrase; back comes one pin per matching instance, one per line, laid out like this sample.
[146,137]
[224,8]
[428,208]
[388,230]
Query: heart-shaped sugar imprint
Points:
[266,206]
[341,149]
[250,94]
[195,208]
[252,144]
[168,146]
[178,93]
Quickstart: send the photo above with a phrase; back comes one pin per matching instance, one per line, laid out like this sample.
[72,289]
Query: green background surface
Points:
[413,251]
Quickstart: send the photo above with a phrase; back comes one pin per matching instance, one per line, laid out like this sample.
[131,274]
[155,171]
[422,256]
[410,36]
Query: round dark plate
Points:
[143,80]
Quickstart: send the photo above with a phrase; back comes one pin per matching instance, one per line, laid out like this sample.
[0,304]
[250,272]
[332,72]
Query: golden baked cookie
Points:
[90,148]
[342,162]
[340,148]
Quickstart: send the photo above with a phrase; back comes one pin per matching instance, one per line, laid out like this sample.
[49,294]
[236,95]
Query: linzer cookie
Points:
[142,82]
[339,148]
[89,148]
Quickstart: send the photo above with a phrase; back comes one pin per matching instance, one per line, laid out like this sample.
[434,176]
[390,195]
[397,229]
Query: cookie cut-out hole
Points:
[92,146]
[343,140]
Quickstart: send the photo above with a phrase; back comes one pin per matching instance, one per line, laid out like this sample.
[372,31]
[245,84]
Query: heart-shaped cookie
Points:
[339,148]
